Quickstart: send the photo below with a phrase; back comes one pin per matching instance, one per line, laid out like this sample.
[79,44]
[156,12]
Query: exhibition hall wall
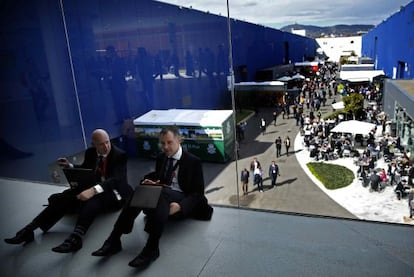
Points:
[68,67]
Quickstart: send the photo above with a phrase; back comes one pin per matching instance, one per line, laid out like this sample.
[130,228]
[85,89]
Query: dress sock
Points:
[31,226]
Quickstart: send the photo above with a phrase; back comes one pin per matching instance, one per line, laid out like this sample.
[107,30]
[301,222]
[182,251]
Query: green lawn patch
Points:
[332,176]
[241,115]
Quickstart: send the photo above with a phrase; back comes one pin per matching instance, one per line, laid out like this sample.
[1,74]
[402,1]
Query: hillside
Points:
[337,30]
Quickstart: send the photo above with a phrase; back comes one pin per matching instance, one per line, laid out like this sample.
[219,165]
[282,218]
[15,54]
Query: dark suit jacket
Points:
[191,181]
[116,170]
[271,170]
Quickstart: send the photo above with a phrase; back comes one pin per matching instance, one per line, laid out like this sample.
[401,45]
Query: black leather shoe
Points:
[71,244]
[24,235]
[145,258]
[108,248]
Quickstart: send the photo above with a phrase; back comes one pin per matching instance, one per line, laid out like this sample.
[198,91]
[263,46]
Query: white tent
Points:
[260,86]
[354,127]
[183,117]
[284,79]
[338,105]
[360,76]
[298,76]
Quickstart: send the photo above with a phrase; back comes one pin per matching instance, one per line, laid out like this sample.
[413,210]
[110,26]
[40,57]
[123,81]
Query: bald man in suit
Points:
[108,193]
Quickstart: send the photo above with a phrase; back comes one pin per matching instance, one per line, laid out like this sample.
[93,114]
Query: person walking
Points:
[287,108]
[287,144]
[240,131]
[273,173]
[258,178]
[254,164]
[263,126]
[274,118]
[244,178]
[278,143]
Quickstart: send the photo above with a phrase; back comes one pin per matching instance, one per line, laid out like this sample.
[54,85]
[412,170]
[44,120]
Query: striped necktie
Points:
[169,171]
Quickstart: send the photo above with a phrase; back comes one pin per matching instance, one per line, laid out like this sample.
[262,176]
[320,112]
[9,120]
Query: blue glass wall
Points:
[68,67]
[391,44]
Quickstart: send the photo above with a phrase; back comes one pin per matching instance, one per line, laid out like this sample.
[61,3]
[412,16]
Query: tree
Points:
[354,104]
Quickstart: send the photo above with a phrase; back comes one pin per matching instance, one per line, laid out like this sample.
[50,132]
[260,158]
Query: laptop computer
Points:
[80,178]
[146,196]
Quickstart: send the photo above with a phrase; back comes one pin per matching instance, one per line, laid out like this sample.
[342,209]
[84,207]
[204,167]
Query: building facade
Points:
[69,67]
[399,105]
[336,47]
[391,44]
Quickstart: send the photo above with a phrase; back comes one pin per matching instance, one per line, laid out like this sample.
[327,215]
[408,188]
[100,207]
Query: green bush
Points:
[332,176]
[354,105]
[333,115]
[242,115]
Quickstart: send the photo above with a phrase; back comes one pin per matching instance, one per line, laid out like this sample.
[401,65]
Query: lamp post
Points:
[233,102]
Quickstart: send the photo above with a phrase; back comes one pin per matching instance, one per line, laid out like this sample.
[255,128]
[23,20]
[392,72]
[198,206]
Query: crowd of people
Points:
[326,145]
[314,93]
[380,157]
[256,171]
[182,181]
[396,166]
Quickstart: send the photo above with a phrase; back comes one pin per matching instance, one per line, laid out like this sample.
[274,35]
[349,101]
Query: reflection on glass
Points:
[127,59]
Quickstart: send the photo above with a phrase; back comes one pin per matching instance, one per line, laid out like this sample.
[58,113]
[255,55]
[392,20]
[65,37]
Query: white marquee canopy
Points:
[354,127]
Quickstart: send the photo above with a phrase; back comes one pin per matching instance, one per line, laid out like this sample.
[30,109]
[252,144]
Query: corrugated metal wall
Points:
[391,44]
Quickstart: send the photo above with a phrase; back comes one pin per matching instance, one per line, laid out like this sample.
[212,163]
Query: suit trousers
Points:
[274,178]
[66,202]
[156,218]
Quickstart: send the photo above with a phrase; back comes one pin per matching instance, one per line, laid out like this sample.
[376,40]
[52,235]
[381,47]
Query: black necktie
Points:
[99,168]
[169,171]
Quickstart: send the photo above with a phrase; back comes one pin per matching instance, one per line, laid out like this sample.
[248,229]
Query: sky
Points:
[279,13]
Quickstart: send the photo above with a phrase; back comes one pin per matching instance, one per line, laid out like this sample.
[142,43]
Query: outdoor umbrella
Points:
[284,79]
[338,105]
[298,76]
[353,127]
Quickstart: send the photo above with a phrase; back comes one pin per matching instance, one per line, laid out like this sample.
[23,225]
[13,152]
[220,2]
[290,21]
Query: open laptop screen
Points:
[80,178]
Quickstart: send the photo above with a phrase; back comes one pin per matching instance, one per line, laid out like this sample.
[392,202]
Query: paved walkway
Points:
[295,191]
[228,245]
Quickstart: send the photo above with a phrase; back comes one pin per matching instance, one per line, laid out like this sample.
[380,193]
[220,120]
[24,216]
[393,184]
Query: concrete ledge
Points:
[236,242]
